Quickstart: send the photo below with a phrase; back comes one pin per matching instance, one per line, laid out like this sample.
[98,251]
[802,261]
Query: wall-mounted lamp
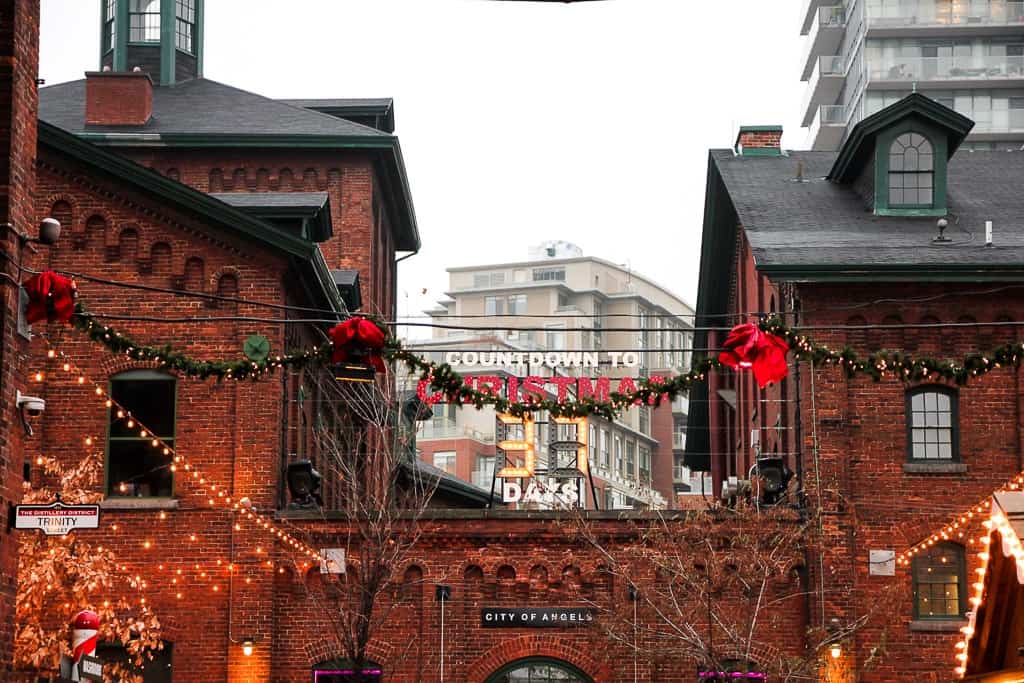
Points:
[836,650]
[247,646]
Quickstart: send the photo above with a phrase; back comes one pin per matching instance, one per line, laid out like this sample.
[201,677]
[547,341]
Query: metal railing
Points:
[948,68]
[452,430]
[887,13]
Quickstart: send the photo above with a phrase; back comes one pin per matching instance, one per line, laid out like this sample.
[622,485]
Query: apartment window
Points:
[134,466]
[911,171]
[144,21]
[549,274]
[645,465]
[563,300]
[505,305]
[445,460]
[939,582]
[592,446]
[598,324]
[645,419]
[630,459]
[619,465]
[109,25]
[932,424]
[483,472]
[481,280]
[554,337]
[185,24]
[604,449]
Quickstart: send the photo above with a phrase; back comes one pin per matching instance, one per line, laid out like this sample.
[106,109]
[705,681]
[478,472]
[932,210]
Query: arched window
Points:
[933,430]
[939,582]
[538,670]
[135,467]
[911,171]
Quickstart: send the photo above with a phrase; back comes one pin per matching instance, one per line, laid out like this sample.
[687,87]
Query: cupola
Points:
[161,38]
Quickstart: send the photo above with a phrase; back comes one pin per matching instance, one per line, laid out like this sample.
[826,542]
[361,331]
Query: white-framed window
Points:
[554,336]
[549,274]
[445,460]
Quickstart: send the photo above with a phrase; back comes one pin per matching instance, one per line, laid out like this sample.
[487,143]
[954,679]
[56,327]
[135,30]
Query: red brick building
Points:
[879,246]
[19,62]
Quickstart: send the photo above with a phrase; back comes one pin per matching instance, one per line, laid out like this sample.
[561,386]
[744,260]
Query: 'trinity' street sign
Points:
[56,519]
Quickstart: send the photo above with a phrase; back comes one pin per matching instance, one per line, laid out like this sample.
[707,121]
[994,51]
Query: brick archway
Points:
[508,651]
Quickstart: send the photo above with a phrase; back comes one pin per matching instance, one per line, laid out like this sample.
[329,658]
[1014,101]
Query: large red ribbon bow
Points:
[358,339]
[748,346]
[51,296]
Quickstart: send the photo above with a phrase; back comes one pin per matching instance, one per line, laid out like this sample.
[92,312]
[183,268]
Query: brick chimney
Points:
[759,141]
[114,98]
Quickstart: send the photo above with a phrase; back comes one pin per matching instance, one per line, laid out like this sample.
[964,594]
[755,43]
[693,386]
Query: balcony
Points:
[680,474]
[825,86]
[678,441]
[960,71]
[828,127]
[945,19]
[681,404]
[809,13]
[451,430]
[825,37]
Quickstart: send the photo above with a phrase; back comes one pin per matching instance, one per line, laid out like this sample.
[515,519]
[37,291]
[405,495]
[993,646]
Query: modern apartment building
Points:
[863,55]
[560,300]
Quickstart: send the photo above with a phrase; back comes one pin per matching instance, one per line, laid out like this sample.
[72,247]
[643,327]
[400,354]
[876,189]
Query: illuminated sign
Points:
[562,486]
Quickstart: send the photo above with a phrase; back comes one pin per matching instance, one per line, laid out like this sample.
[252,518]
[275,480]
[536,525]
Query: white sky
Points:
[519,121]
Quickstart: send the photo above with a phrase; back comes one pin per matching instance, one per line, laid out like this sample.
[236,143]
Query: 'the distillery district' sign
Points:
[536,617]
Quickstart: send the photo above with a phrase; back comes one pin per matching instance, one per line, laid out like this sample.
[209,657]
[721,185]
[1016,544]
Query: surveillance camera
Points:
[33,405]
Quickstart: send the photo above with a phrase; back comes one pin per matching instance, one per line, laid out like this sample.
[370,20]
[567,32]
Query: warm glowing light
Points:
[836,651]
[247,648]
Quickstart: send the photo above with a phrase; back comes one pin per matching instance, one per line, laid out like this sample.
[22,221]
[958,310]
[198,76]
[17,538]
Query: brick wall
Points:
[854,443]
[19,60]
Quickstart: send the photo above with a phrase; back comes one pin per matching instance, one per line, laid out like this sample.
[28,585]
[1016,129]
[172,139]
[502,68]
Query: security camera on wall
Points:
[28,406]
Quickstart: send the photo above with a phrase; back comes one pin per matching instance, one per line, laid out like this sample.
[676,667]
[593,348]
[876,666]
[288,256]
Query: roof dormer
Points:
[896,159]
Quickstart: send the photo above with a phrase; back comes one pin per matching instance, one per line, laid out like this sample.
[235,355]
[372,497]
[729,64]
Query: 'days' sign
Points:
[56,519]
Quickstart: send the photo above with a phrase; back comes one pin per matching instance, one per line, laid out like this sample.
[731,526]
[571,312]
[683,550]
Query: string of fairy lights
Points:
[216,496]
[1011,546]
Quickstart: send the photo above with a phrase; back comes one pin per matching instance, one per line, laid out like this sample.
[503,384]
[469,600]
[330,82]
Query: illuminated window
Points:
[939,582]
[135,467]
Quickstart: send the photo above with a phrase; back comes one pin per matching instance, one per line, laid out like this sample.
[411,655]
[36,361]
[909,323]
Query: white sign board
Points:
[333,562]
[883,563]
[91,668]
[548,491]
[56,519]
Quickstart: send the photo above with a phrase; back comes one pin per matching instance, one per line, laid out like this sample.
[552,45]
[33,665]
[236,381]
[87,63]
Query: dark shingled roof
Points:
[201,107]
[817,225]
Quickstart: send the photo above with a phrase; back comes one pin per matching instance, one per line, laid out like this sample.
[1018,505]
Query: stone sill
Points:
[934,467]
[938,625]
[139,504]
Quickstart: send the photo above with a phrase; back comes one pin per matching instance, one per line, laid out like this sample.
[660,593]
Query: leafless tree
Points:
[721,587]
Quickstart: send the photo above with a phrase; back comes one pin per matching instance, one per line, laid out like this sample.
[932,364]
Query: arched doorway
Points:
[539,670]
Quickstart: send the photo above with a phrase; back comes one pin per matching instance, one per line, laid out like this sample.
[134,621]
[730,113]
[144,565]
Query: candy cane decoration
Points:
[84,629]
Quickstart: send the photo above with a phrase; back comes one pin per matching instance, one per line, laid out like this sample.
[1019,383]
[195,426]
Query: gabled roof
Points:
[205,113]
[313,209]
[860,145]
[231,224]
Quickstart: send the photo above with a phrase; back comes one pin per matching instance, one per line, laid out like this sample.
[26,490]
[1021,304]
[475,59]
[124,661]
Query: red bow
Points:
[50,297]
[747,346]
[357,339]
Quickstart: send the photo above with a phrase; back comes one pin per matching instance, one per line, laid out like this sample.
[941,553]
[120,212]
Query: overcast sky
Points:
[519,121]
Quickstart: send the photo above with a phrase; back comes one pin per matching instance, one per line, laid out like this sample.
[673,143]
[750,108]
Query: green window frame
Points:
[933,424]
[911,175]
[185,25]
[134,467]
[109,25]
[940,584]
[144,21]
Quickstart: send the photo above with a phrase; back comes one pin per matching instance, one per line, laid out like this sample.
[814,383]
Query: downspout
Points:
[409,255]
[801,492]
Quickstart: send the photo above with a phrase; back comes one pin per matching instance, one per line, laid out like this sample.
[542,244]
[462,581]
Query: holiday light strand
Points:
[179,460]
[443,381]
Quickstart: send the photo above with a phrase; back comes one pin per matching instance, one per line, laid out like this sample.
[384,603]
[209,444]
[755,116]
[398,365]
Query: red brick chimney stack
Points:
[759,141]
[115,98]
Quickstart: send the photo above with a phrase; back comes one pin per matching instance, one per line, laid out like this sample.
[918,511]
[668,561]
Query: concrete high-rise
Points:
[567,302]
[863,55]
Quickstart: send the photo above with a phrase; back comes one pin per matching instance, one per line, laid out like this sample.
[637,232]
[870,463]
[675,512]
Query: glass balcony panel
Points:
[899,13]
[961,67]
